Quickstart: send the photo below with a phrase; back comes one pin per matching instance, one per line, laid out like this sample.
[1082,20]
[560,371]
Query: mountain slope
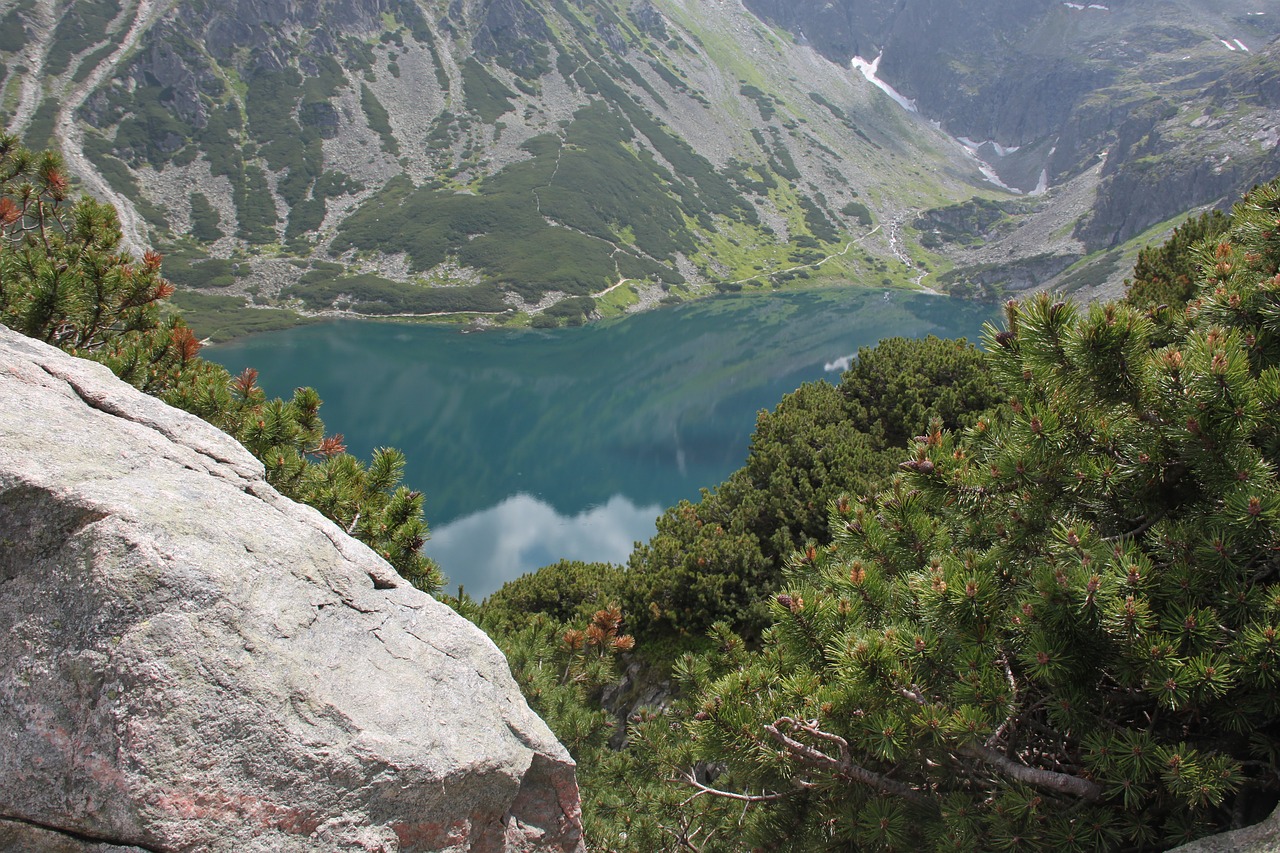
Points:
[1178,98]
[517,161]
[400,157]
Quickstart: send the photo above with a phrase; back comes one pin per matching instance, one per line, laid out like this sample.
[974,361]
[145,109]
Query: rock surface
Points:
[1262,837]
[189,661]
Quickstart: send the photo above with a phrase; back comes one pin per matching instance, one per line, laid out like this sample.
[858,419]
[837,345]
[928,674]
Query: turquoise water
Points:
[532,446]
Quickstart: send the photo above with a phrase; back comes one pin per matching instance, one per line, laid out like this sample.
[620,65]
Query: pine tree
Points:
[65,280]
[1057,629]
[717,559]
[1165,276]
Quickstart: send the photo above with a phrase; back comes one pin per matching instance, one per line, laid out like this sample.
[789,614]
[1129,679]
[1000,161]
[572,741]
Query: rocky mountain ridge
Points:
[1167,96]
[558,149]
[522,161]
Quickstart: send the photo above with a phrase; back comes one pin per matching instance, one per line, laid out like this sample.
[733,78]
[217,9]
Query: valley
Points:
[510,162]
[532,446]
[1015,596]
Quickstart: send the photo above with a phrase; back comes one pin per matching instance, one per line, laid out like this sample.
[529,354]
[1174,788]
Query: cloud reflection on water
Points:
[503,542]
[840,365]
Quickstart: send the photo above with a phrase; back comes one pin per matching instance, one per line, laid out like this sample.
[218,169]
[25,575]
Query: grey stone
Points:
[190,661]
[21,837]
[1262,837]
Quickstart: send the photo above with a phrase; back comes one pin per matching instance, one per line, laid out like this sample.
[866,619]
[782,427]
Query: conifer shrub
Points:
[204,219]
[1056,629]
[717,559]
[566,591]
[562,667]
[322,289]
[65,280]
[1165,276]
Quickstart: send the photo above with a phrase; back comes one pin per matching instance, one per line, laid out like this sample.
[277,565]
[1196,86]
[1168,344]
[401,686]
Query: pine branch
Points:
[1142,528]
[842,766]
[689,779]
[1010,720]
[1063,783]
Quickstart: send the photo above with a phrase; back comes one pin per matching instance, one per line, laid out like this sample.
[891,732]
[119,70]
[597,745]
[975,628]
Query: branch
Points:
[1013,689]
[688,779]
[1139,530]
[1063,783]
[682,837]
[842,766]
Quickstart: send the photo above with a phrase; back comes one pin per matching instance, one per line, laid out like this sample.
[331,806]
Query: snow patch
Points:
[991,176]
[1001,150]
[1042,185]
[869,69]
[971,148]
[1242,46]
[1228,44]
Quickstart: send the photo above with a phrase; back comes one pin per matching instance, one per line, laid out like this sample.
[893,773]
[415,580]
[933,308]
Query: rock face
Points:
[1178,100]
[1262,837]
[189,661]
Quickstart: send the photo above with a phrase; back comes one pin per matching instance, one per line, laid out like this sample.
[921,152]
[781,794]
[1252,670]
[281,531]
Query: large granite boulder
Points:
[189,661]
[1263,837]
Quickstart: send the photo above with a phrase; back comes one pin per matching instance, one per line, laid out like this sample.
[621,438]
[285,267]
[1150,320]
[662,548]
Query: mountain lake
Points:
[538,445]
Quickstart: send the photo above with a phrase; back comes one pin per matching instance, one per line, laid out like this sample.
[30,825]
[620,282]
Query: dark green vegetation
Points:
[1056,627]
[379,120]
[423,103]
[1168,274]
[968,223]
[285,117]
[79,28]
[566,591]
[714,560]
[587,179]
[1092,273]
[564,669]
[64,280]
[220,318]
[205,221]
[840,116]
[12,37]
[321,289]
[485,95]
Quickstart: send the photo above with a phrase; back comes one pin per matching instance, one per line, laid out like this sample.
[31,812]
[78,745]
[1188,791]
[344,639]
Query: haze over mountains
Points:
[503,156]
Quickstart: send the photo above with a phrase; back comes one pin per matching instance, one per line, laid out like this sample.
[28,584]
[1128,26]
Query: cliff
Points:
[189,661]
[1174,99]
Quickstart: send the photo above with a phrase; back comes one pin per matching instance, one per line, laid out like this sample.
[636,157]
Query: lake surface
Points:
[533,446]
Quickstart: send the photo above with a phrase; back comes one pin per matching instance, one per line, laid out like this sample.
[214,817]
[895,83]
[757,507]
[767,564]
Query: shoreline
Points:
[475,321]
